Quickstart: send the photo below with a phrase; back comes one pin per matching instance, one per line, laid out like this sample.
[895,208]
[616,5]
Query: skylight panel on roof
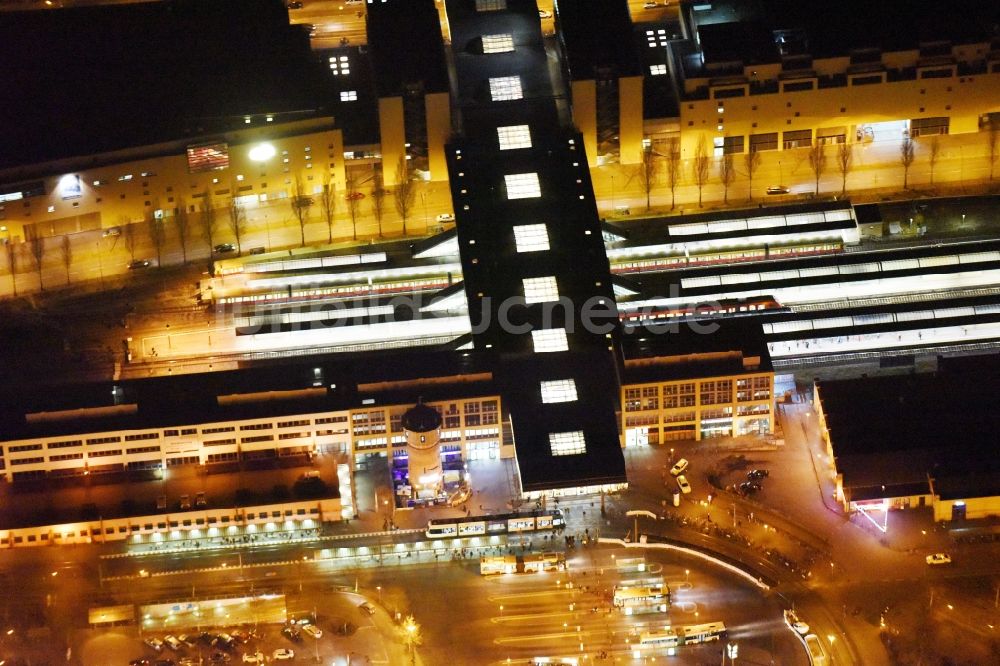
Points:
[548,340]
[505,88]
[570,443]
[558,390]
[540,289]
[491,5]
[514,136]
[531,237]
[522,185]
[498,43]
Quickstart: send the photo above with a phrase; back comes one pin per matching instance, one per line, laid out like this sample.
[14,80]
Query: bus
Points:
[652,598]
[817,655]
[506,523]
[530,563]
[670,637]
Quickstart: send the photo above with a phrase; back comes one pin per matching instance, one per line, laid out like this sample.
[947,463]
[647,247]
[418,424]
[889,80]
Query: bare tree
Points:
[701,166]
[646,171]
[353,201]
[300,203]
[674,172]
[907,153]
[209,221]
[66,254]
[751,162]
[933,154]
[993,145]
[817,162]
[378,199]
[405,192]
[237,221]
[11,253]
[727,174]
[157,235]
[328,204]
[129,237]
[845,160]
[182,225]
[37,247]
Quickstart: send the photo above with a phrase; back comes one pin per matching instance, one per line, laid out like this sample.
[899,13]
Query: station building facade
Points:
[259,166]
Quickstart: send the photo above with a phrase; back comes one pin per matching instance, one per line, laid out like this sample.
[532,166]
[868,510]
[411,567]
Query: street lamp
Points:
[379,588]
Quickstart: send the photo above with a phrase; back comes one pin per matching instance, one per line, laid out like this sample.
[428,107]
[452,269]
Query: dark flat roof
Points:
[95,79]
[595,36]
[406,46]
[747,31]
[944,424]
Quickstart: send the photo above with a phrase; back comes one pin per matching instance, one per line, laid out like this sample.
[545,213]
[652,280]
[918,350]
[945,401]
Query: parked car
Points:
[749,487]
[206,637]
[199,499]
[223,248]
[797,625]
[679,466]
[164,662]
[313,630]
[445,217]
[139,662]
[757,474]
[292,634]
[173,642]
[187,639]
[185,501]
[188,661]
[218,658]
[650,5]
[939,558]
[295,5]
[256,658]
[154,644]
[545,14]
[367,608]
[224,641]
[683,484]
[139,263]
[777,189]
[111,232]
[354,196]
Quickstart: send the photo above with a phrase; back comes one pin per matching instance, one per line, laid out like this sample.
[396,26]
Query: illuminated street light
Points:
[262,152]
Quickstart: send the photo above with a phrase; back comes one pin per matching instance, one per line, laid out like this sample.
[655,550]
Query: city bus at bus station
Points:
[530,563]
[653,598]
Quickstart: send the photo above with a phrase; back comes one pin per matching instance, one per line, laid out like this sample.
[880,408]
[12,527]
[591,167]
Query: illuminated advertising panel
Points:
[208,157]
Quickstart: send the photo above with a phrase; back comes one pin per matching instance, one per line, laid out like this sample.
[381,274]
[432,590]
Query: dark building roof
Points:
[493,269]
[95,79]
[750,31]
[750,42]
[404,37]
[943,424]
[357,118]
[596,36]
[695,349]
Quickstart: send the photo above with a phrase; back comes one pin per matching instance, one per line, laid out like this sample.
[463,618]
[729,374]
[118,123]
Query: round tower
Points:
[422,426]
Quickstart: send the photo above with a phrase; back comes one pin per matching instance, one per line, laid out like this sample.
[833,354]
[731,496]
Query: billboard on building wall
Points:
[208,157]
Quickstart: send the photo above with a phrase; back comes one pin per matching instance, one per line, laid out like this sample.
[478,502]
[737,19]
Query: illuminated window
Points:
[656,38]
[657,70]
[558,390]
[505,88]
[531,237]
[490,5]
[570,443]
[549,340]
[339,65]
[522,185]
[498,43]
[127,176]
[348,95]
[540,290]
[514,136]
